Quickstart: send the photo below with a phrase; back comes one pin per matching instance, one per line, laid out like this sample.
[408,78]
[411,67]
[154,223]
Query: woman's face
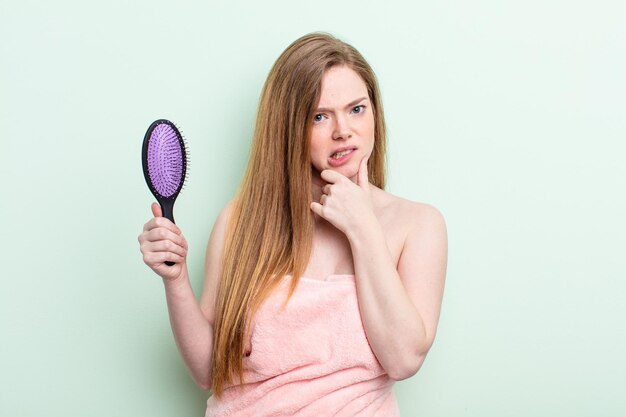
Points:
[342,130]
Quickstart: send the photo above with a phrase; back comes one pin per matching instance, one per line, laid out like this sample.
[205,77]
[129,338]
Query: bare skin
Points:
[332,253]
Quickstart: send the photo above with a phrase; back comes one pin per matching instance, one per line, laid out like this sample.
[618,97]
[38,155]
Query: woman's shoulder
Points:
[227,210]
[402,210]
[409,223]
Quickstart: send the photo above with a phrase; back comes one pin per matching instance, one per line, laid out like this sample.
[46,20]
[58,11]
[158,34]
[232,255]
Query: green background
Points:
[509,117]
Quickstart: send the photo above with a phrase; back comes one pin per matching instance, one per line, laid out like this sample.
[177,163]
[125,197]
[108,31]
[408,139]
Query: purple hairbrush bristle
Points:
[165,160]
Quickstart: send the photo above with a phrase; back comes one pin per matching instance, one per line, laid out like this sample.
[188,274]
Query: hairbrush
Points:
[165,158]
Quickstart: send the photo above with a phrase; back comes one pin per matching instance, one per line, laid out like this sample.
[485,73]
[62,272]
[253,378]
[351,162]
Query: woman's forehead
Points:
[341,85]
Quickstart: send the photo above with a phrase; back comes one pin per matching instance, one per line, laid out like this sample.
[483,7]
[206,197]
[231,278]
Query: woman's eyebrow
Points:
[352,103]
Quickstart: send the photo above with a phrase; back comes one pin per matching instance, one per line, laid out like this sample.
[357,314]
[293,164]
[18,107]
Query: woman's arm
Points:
[192,322]
[192,331]
[400,307]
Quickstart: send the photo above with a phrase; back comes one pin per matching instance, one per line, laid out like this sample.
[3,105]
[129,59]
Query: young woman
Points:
[321,289]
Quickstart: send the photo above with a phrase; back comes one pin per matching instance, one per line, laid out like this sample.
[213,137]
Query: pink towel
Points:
[312,359]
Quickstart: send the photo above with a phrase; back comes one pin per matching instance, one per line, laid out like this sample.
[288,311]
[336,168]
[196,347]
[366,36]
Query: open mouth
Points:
[340,157]
[340,154]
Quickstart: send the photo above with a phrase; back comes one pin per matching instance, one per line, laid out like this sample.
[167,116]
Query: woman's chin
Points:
[346,171]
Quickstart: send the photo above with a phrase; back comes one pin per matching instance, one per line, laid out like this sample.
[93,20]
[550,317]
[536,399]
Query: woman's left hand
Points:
[346,205]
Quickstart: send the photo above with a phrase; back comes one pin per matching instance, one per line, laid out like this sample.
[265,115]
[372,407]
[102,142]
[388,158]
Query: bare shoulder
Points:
[401,213]
[213,261]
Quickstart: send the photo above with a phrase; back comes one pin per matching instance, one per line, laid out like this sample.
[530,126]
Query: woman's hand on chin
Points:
[346,205]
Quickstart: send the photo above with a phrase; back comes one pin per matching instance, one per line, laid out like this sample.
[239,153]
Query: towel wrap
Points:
[311,359]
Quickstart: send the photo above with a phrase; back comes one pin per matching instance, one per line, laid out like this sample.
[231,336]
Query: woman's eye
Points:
[318,117]
[358,109]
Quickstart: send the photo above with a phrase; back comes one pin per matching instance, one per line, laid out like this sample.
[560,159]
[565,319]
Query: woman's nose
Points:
[342,129]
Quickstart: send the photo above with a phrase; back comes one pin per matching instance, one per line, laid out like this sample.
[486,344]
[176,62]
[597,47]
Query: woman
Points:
[321,289]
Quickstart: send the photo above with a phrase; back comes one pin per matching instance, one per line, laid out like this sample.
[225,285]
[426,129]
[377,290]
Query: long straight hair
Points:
[271,227]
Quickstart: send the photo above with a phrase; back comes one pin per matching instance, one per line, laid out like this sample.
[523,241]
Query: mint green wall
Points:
[508,117]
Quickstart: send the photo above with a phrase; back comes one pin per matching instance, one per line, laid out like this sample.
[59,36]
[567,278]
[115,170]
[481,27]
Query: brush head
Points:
[164,159]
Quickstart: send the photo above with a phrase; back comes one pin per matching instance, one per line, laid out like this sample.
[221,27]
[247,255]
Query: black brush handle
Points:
[167,209]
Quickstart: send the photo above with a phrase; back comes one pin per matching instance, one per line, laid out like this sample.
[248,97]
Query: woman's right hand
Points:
[160,241]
